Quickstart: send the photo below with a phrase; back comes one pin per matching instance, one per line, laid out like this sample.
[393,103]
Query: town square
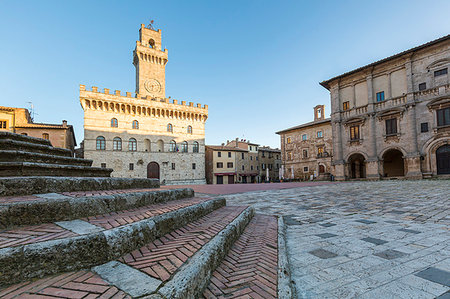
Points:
[239,149]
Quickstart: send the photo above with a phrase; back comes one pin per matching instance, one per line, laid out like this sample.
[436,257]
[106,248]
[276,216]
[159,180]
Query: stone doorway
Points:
[357,166]
[153,170]
[393,163]
[443,159]
[321,169]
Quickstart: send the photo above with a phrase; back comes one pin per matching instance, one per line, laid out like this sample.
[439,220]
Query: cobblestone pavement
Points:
[387,239]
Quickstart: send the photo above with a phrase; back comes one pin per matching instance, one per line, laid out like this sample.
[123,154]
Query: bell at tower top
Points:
[149,37]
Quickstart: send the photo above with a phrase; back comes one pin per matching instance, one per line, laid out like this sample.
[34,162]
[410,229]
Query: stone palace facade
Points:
[145,135]
[391,118]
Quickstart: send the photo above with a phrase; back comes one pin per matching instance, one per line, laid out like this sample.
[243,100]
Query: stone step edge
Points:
[31,147]
[286,287]
[58,207]
[24,138]
[62,255]
[5,165]
[11,186]
[190,279]
[7,154]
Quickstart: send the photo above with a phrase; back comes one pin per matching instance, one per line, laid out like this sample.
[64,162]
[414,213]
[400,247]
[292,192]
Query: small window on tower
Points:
[151,43]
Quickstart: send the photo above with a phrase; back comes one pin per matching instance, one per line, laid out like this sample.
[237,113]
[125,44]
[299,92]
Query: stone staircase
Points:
[22,155]
[102,237]
[132,243]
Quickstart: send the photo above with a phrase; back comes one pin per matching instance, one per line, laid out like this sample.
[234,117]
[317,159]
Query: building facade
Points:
[145,135]
[18,120]
[269,163]
[248,164]
[391,118]
[222,164]
[307,149]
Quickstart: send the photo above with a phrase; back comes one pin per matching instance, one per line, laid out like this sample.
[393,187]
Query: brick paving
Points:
[79,284]
[49,231]
[386,239]
[106,192]
[250,268]
[33,234]
[115,219]
[161,258]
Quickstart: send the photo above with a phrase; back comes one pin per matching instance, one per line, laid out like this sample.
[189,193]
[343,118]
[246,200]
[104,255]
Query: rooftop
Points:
[226,148]
[310,124]
[433,42]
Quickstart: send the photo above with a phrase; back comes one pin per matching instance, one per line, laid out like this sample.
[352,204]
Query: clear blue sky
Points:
[257,64]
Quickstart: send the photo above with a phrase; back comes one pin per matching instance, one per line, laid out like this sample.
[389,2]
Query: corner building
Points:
[391,118]
[147,134]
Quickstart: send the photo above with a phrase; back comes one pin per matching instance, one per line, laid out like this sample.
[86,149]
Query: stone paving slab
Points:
[250,268]
[378,237]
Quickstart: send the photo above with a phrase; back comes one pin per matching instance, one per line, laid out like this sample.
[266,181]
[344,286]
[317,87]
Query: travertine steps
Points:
[28,156]
[22,156]
[34,251]
[51,207]
[15,186]
[176,265]
[250,268]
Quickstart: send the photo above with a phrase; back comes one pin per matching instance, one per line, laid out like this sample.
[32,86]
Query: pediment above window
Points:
[355,121]
[386,114]
[439,103]
[438,63]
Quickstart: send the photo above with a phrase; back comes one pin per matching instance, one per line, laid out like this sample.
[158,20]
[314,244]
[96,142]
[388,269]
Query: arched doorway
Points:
[321,168]
[443,159]
[357,166]
[153,170]
[393,164]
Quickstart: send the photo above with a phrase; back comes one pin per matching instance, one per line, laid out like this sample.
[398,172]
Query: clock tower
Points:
[150,62]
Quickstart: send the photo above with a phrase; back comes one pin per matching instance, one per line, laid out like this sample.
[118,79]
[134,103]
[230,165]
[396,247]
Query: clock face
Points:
[152,85]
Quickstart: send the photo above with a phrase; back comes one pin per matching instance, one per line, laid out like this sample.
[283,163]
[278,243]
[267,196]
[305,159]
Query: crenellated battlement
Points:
[134,96]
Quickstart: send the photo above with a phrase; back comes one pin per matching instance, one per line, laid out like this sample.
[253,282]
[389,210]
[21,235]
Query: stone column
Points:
[412,159]
[357,169]
[389,87]
[372,170]
[354,96]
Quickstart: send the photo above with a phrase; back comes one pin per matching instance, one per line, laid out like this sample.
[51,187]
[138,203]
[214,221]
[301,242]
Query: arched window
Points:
[117,144]
[160,145]
[147,145]
[189,130]
[170,128]
[132,145]
[135,124]
[151,43]
[101,143]
[114,123]
[184,147]
[195,147]
[173,146]
[45,136]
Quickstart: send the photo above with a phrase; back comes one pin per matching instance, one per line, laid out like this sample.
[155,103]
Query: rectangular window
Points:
[243,167]
[319,134]
[346,105]
[103,165]
[443,117]
[380,96]
[422,86]
[305,169]
[230,165]
[305,154]
[131,166]
[440,72]
[193,165]
[229,154]
[354,133]
[320,150]
[251,167]
[289,156]
[424,127]
[289,140]
[251,158]
[391,126]
[219,154]
[3,124]
[270,166]
[243,157]
[304,137]
[173,166]
[219,165]
[263,166]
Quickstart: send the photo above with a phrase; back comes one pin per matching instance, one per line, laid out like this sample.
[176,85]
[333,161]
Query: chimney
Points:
[64,122]
[223,144]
